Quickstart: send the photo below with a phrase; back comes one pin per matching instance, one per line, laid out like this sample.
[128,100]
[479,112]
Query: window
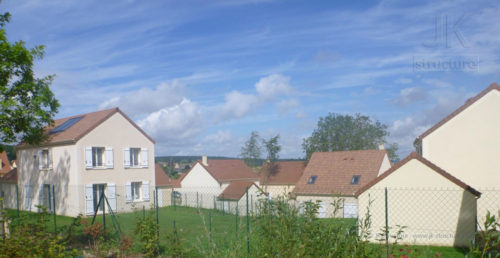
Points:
[44,159]
[355,179]
[136,191]
[66,125]
[98,191]
[312,180]
[134,157]
[97,156]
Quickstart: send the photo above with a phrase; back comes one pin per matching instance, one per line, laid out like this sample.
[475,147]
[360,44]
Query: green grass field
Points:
[195,226]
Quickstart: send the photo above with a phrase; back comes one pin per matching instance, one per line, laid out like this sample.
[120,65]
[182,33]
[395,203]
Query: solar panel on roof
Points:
[66,125]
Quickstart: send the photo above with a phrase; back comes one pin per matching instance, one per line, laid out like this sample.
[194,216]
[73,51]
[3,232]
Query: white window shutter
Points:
[126,157]
[49,157]
[88,157]
[144,158]
[89,200]
[145,190]
[40,159]
[111,195]
[109,157]
[128,192]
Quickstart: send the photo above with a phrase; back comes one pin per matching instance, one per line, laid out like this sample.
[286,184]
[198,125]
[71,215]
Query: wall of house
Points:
[63,175]
[165,196]
[116,132]
[199,188]
[331,211]
[8,193]
[467,146]
[278,190]
[435,210]
[386,164]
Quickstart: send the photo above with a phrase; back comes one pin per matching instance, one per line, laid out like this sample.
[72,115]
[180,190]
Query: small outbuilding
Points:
[234,197]
[431,206]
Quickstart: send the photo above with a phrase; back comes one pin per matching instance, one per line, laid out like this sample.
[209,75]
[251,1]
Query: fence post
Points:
[157,218]
[248,227]
[143,212]
[54,207]
[185,199]
[103,212]
[386,225]
[237,214]
[197,202]
[17,200]
[215,204]
[210,225]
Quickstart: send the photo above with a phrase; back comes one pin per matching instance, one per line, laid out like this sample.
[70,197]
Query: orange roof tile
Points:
[282,172]
[162,179]
[82,127]
[236,189]
[6,167]
[426,162]
[335,170]
[225,170]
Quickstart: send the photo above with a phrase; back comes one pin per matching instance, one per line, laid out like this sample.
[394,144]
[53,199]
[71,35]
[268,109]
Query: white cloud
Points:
[408,96]
[238,104]
[221,137]
[174,125]
[147,100]
[272,86]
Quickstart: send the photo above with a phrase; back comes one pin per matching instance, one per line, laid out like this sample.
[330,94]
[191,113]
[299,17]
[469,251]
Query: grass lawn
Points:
[195,228]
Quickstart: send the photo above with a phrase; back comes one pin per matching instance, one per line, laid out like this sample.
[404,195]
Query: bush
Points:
[147,230]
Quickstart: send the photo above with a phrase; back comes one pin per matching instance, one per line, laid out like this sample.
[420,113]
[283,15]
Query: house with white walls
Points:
[334,177]
[206,180]
[279,178]
[466,144]
[85,156]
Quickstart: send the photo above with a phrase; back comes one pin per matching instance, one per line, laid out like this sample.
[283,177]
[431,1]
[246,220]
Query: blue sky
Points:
[199,76]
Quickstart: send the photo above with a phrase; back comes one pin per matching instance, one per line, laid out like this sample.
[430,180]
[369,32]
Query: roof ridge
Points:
[426,162]
[468,103]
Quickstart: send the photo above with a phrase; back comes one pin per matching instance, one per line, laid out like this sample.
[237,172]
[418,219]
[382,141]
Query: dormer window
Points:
[312,180]
[355,179]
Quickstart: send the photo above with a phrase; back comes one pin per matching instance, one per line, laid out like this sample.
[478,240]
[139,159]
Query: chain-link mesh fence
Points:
[442,217]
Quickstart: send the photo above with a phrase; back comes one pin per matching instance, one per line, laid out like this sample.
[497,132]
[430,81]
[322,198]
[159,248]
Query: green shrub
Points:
[147,231]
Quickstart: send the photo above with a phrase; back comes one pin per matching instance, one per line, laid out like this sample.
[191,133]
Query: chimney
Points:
[381,146]
[204,160]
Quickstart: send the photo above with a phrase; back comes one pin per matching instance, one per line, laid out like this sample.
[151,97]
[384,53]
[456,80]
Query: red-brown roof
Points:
[6,167]
[282,172]
[335,170]
[225,170]
[236,189]
[81,128]
[9,177]
[468,103]
[426,162]
[162,179]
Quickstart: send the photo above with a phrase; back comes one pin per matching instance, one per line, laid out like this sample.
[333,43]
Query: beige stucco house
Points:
[435,207]
[206,180]
[280,178]
[86,155]
[333,176]
[466,143]
[235,196]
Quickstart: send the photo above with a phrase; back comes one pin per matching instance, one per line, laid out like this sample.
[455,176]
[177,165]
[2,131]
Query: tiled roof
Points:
[467,104]
[426,162]
[9,177]
[235,190]
[335,170]
[162,179]
[282,172]
[81,128]
[225,170]
[6,167]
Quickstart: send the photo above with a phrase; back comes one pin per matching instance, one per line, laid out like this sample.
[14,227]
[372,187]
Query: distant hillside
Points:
[189,159]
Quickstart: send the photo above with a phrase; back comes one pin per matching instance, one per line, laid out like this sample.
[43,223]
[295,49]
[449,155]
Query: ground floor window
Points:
[136,191]
[98,190]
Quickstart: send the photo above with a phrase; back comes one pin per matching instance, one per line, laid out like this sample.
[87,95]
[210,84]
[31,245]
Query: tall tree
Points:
[272,148]
[337,132]
[27,104]
[252,151]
